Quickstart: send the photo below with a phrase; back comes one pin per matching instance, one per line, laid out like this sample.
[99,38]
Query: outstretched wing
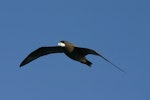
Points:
[41,52]
[86,51]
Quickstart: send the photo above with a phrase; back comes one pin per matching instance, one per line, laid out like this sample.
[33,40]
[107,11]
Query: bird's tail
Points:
[88,63]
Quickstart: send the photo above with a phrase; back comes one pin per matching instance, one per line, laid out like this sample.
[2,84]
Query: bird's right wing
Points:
[41,52]
[86,51]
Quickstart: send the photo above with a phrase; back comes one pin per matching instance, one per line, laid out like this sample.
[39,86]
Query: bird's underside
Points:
[73,52]
[78,55]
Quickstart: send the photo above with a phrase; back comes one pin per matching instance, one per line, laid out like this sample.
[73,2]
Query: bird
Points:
[72,51]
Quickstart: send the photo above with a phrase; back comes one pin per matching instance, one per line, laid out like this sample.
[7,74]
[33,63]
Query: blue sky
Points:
[118,29]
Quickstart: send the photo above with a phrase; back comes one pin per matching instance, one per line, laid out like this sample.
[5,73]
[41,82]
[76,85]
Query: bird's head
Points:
[61,43]
[65,43]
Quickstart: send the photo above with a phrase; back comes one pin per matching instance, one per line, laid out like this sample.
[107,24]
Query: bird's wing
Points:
[41,52]
[86,51]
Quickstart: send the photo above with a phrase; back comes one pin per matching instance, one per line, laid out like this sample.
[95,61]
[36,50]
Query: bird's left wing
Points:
[41,52]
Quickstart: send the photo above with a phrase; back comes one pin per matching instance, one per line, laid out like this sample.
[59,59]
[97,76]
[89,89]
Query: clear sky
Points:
[118,29]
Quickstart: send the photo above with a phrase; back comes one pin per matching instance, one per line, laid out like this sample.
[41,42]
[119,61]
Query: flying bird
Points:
[72,51]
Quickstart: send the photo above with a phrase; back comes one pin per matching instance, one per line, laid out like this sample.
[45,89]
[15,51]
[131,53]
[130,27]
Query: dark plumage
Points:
[72,51]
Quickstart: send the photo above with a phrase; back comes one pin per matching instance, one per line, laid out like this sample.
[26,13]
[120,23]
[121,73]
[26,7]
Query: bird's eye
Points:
[62,41]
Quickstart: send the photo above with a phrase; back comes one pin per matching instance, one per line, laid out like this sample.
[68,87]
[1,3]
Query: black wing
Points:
[41,52]
[86,51]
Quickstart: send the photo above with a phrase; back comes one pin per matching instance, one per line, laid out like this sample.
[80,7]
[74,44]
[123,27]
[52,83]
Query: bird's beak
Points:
[61,44]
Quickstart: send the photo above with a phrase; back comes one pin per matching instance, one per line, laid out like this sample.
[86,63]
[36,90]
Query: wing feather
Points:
[41,52]
[86,51]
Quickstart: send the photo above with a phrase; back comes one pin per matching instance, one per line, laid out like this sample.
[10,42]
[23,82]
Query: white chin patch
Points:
[61,44]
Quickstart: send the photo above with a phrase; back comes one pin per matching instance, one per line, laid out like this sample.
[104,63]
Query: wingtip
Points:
[21,65]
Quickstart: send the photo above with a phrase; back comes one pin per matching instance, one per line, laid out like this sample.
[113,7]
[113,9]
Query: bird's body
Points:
[76,55]
[72,51]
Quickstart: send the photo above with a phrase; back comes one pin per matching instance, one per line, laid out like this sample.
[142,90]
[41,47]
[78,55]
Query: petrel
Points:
[71,50]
